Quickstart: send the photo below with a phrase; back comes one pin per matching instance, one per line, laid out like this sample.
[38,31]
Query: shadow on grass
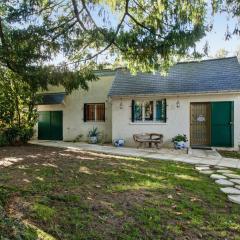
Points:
[78,195]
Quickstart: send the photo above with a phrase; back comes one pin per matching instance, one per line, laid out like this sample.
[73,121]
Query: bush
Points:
[15,136]
[180,138]
[3,139]
[26,134]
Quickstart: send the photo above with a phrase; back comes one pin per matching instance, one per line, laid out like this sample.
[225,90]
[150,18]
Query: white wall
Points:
[73,123]
[178,119]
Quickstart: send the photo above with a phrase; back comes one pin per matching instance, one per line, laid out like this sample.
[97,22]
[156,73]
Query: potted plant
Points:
[93,135]
[180,141]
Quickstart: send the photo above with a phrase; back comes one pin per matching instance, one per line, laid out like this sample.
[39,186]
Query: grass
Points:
[230,154]
[59,194]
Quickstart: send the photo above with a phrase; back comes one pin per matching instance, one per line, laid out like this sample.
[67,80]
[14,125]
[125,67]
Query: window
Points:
[147,111]
[138,111]
[94,112]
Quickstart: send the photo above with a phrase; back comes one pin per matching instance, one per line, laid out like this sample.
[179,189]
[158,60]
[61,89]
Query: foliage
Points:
[78,138]
[143,35]
[180,138]
[17,101]
[221,53]
[18,113]
[3,139]
[94,132]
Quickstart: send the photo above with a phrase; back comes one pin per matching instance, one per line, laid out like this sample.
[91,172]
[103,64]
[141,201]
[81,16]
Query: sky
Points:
[216,38]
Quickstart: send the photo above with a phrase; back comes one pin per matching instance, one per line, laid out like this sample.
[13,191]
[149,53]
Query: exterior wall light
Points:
[121,104]
[178,104]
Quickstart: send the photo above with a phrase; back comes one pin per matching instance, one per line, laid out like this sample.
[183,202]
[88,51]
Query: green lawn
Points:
[54,193]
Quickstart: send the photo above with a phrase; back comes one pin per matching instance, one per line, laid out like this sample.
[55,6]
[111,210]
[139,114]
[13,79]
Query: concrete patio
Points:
[193,157]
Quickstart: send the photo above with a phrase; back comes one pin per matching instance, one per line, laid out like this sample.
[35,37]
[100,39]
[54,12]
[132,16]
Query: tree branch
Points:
[75,9]
[112,42]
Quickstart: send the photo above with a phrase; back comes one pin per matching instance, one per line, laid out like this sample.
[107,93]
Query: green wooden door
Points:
[222,124]
[56,125]
[50,125]
[44,125]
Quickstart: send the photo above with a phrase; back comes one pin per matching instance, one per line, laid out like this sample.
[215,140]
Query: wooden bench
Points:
[149,139]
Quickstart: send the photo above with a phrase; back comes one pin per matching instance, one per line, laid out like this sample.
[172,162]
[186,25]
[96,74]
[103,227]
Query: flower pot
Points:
[180,145]
[93,140]
[119,142]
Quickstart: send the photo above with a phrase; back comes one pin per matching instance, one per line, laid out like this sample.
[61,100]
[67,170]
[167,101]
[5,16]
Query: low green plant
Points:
[101,138]
[94,132]
[43,212]
[78,138]
[3,139]
[17,135]
[180,138]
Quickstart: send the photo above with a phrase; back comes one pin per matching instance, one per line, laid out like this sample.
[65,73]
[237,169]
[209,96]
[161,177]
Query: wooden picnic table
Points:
[149,139]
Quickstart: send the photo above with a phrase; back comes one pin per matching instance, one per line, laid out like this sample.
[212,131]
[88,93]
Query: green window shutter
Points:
[164,110]
[85,112]
[161,111]
[133,110]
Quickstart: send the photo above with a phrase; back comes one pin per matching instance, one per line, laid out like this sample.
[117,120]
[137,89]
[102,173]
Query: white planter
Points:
[93,140]
[180,145]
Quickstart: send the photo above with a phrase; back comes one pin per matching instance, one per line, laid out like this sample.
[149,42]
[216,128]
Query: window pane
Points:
[100,108]
[161,110]
[90,112]
[148,111]
[138,111]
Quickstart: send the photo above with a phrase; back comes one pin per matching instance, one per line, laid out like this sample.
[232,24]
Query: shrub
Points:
[180,138]
[26,134]
[15,135]
[3,139]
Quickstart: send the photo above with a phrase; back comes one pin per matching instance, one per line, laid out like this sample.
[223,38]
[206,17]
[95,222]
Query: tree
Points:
[221,53]
[148,33]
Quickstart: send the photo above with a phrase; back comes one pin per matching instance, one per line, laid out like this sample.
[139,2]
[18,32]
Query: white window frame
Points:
[154,112]
[95,113]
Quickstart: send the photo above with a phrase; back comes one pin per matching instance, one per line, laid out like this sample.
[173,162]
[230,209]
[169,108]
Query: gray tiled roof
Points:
[215,75]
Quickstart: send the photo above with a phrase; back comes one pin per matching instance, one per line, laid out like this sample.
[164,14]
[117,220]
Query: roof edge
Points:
[175,94]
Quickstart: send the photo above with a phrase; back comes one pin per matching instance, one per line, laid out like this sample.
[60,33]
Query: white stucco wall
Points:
[178,119]
[73,123]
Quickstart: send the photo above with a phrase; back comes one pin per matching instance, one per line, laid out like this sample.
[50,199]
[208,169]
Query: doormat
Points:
[201,147]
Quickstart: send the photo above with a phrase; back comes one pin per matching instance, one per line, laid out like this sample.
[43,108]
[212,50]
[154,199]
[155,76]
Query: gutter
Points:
[176,94]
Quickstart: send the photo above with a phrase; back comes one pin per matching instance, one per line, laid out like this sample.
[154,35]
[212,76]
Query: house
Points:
[64,117]
[200,99]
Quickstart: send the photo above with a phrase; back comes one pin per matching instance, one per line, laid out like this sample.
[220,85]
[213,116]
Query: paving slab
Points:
[230,190]
[202,168]
[219,167]
[224,182]
[202,165]
[205,153]
[234,198]
[207,172]
[231,175]
[234,180]
[225,171]
[217,176]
